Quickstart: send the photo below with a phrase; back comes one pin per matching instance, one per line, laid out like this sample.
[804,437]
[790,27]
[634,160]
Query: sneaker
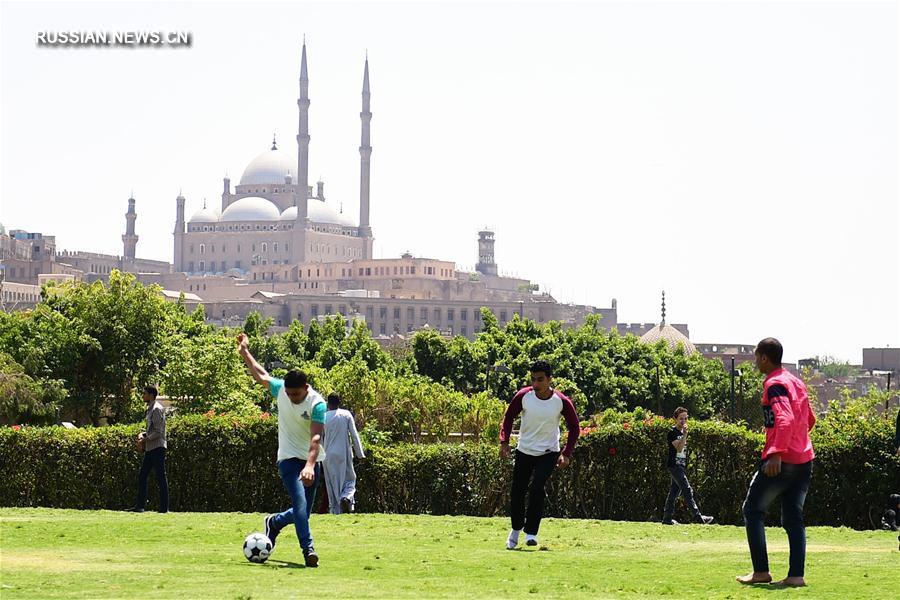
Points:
[670,522]
[530,540]
[513,540]
[310,557]
[705,519]
[271,531]
[346,507]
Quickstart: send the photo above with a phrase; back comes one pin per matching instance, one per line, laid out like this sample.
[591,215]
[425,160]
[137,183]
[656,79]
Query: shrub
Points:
[226,463]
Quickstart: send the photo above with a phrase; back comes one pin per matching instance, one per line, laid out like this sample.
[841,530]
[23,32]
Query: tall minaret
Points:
[302,184]
[365,154]
[130,239]
[179,233]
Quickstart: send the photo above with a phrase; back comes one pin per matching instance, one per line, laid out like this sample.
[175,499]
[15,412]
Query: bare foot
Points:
[754,578]
[791,582]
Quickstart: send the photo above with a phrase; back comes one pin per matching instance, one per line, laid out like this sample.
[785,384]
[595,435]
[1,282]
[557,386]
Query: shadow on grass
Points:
[282,564]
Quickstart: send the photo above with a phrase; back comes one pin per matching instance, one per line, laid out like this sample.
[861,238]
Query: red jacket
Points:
[788,418]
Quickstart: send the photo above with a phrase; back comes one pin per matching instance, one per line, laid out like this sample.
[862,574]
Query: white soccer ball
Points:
[257,547]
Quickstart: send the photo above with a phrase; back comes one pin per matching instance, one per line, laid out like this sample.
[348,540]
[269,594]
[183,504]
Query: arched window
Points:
[202,248]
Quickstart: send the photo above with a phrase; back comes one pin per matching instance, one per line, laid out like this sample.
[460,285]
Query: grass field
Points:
[48,553]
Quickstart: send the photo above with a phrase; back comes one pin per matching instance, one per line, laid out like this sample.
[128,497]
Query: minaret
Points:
[130,239]
[365,154]
[302,183]
[179,232]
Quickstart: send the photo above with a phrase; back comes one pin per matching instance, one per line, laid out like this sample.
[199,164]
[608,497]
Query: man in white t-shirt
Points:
[537,452]
[301,425]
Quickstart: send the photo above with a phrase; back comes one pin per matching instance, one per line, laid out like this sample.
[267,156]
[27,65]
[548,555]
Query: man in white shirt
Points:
[301,424]
[537,452]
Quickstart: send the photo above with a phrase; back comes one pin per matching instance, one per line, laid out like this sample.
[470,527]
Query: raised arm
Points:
[257,371]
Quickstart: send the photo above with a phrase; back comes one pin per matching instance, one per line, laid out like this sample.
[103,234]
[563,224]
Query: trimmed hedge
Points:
[228,464]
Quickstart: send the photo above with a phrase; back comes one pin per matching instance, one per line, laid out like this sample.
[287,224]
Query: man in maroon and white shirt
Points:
[537,452]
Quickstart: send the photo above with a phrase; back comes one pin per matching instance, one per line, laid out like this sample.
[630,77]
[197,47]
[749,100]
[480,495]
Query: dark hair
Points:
[678,411]
[542,366]
[151,389]
[334,400]
[771,348]
[295,379]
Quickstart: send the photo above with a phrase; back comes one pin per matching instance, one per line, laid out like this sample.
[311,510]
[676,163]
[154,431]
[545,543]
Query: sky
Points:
[742,157]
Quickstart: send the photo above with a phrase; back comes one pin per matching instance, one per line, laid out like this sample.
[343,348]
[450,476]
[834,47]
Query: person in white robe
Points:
[341,444]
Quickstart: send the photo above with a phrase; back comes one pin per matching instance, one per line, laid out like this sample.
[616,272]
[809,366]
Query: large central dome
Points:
[270,167]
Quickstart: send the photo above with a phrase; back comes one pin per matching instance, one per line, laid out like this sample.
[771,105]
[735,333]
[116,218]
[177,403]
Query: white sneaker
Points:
[513,540]
[530,540]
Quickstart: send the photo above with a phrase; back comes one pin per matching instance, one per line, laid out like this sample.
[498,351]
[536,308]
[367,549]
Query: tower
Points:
[486,264]
[301,187]
[302,184]
[130,239]
[365,154]
[179,233]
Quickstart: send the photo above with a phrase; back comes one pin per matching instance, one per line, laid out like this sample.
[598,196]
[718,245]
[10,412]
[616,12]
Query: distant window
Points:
[202,248]
[463,314]
[396,312]
[449,314]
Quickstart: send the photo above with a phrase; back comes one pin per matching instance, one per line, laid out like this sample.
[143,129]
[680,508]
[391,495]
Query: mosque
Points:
[276,246]
[273,216]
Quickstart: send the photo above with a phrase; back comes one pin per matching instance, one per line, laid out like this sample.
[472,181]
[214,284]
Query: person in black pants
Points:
[676,443]
[152,443]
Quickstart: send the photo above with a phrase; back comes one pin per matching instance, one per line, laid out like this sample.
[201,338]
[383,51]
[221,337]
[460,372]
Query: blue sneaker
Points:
[271,531]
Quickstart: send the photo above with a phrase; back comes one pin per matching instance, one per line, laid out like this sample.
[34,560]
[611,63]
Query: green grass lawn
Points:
[48,553]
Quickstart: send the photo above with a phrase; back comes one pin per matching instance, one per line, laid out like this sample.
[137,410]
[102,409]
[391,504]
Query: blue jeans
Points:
[791,484]
[302,499]
[155,460]
[679,486]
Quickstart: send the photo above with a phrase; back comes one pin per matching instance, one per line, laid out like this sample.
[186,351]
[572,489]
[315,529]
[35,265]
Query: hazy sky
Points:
[743,157]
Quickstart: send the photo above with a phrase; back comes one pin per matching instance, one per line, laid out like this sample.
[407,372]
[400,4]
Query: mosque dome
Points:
[319,212]
[270,167]
[205,215]
[251,208]
[668,334]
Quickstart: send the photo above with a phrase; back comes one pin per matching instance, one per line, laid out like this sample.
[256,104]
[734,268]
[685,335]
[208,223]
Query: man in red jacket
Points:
[785,469]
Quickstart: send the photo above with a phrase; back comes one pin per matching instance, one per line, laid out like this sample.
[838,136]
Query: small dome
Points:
[270,167]
[205,215]
[319,212]
[670,336]
[251,208]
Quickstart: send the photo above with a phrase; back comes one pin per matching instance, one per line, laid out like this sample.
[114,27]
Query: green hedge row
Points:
[228,464]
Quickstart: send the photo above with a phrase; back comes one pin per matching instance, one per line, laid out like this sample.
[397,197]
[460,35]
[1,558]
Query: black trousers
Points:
[155,460]
[530,474]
